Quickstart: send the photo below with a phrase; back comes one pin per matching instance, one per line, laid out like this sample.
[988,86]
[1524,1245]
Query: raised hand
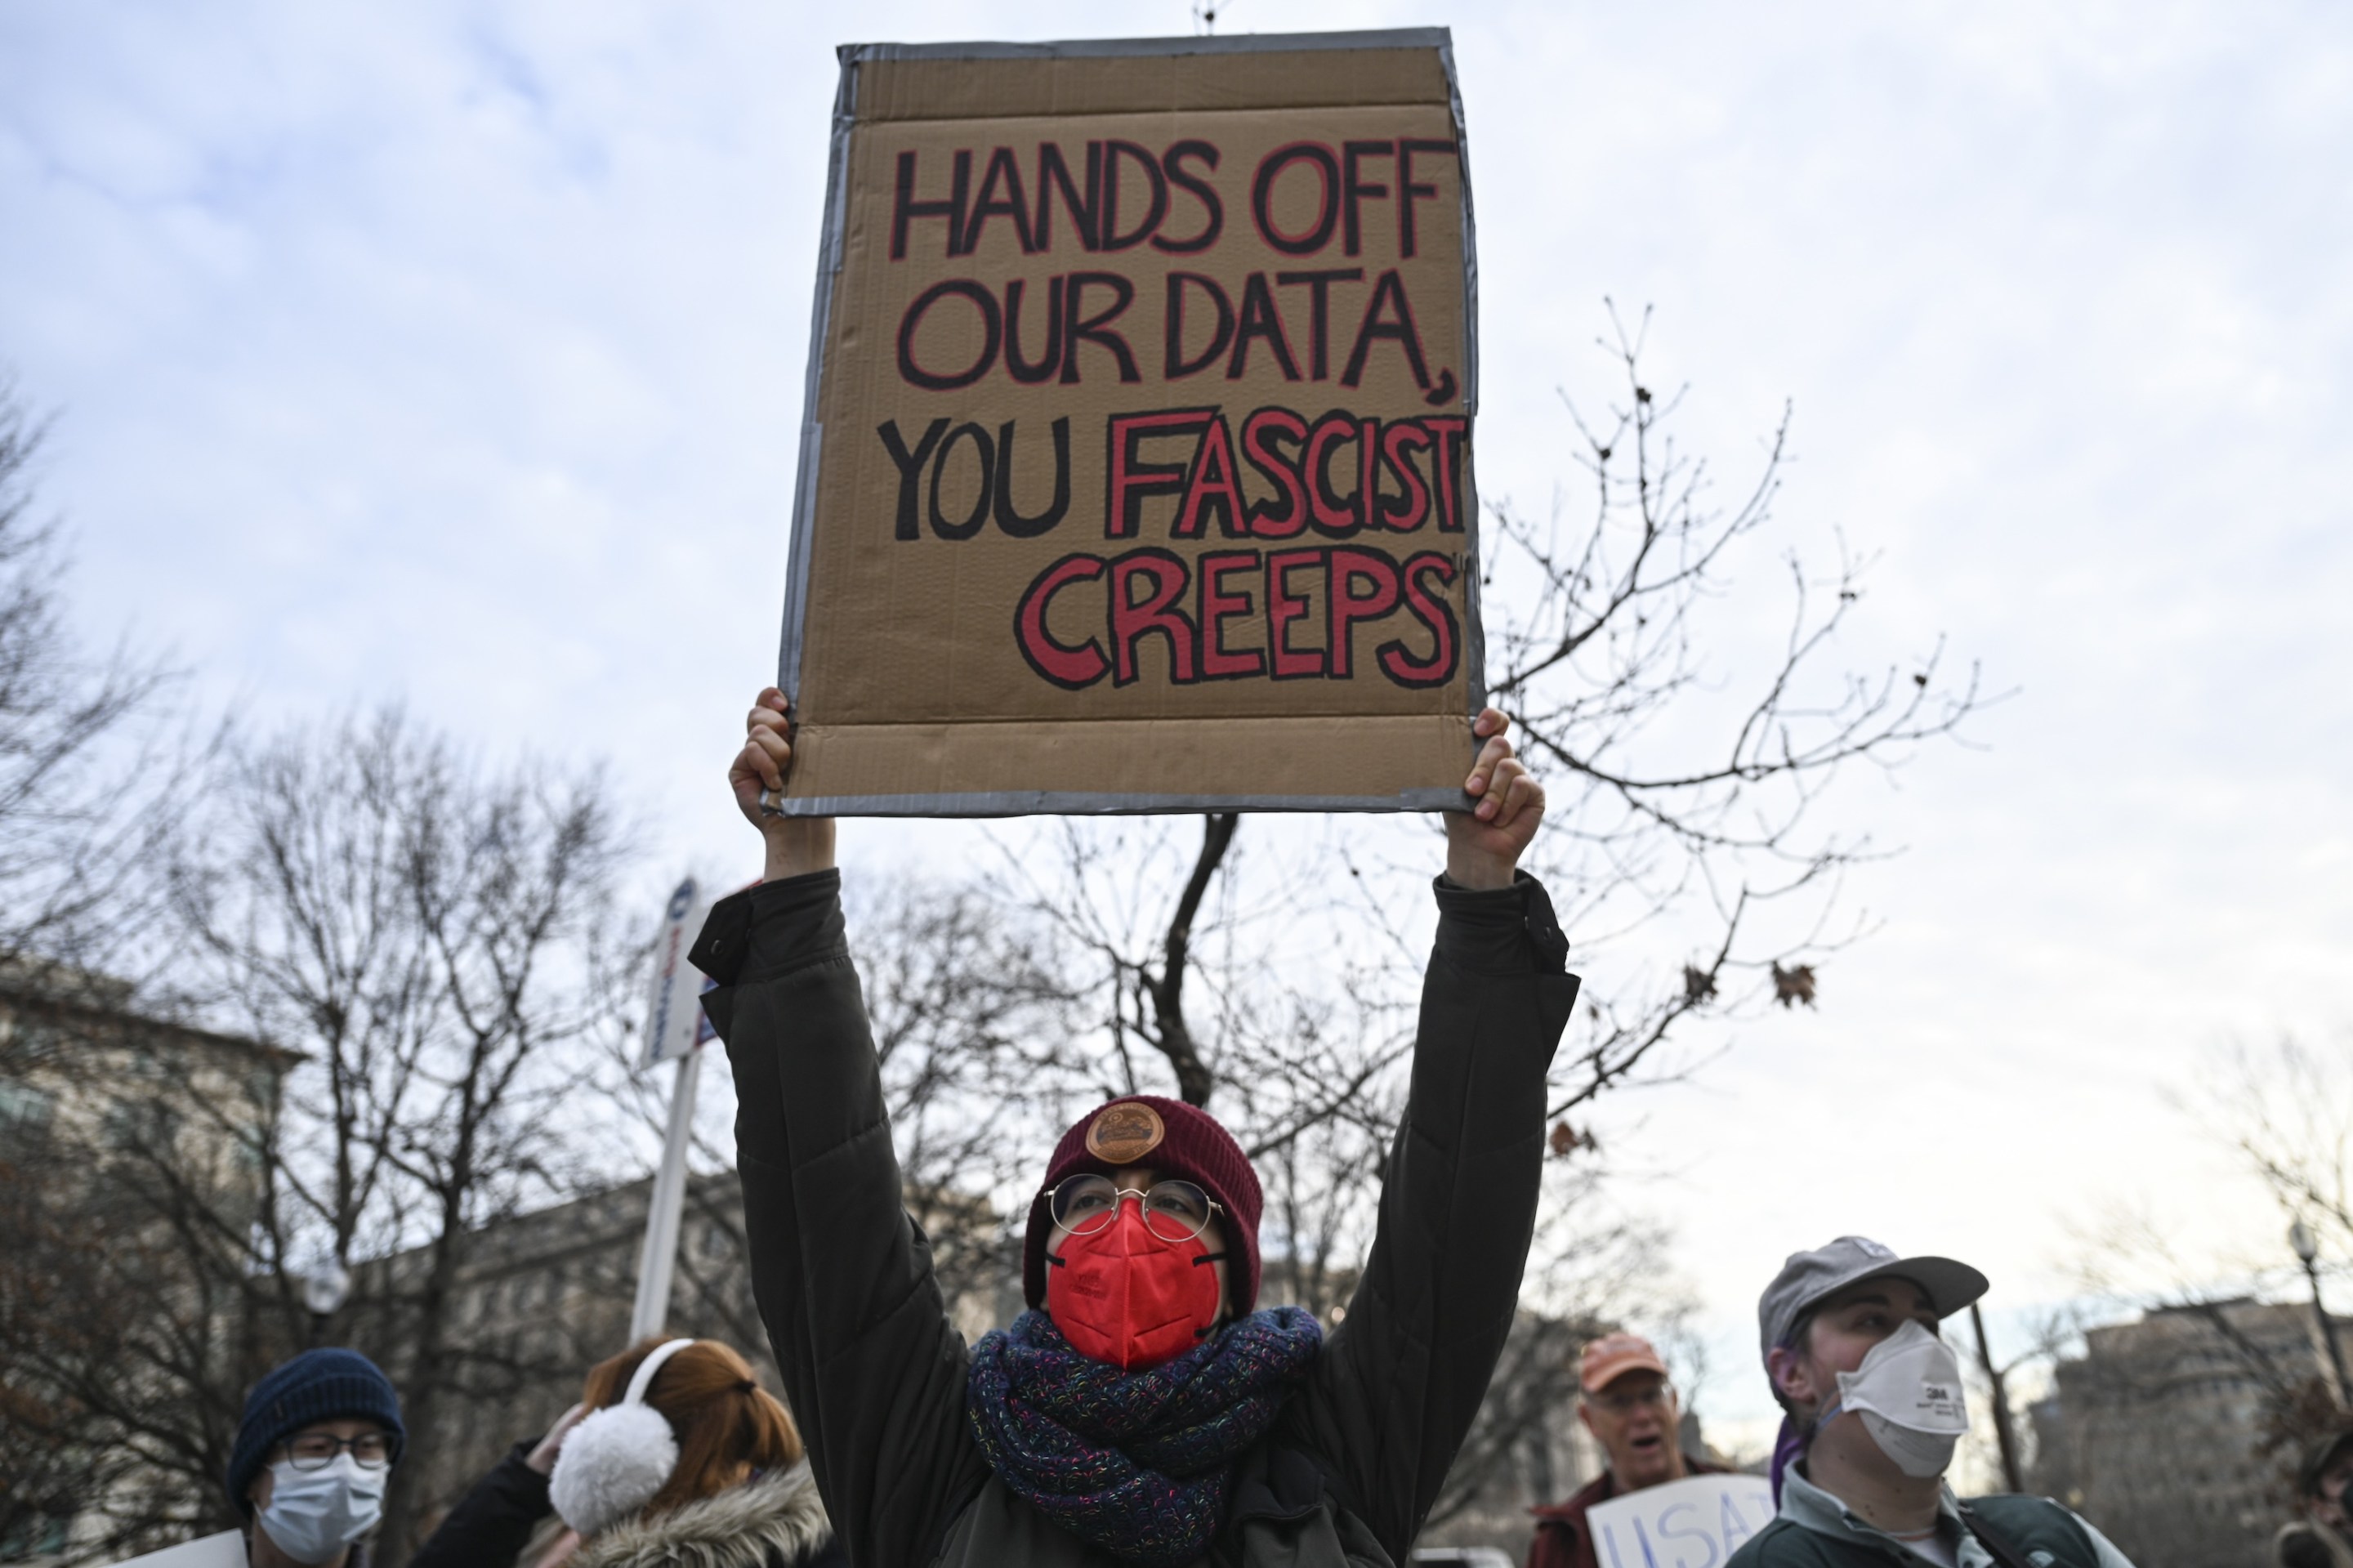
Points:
[1483,844]
[796,845]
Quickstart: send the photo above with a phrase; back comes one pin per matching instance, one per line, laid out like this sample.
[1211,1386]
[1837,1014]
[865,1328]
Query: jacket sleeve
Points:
[491,1526]
[872,1367]
[1394,1392]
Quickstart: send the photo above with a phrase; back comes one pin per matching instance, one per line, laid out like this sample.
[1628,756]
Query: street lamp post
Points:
[2307,1253]
[324,1289]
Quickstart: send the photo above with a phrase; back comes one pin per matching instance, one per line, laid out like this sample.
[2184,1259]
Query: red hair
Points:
[727,1426]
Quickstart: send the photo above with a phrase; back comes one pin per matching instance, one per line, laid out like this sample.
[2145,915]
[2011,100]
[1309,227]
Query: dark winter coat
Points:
[491,1523]
[876,1373]
[777,1521]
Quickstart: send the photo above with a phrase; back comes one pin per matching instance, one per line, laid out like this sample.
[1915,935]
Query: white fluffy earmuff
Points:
[613,1463]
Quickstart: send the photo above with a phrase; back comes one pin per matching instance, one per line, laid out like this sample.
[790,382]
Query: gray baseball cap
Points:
[1808,1277]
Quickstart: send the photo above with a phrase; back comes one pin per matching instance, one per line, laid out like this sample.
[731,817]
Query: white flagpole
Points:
[660,1258]
[674,1028]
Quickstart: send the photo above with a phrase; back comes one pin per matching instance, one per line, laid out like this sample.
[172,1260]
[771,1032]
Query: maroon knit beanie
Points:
[1175,1139]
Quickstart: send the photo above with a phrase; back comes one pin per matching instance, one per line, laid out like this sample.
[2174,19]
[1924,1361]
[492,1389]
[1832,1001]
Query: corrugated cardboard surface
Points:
[929,677]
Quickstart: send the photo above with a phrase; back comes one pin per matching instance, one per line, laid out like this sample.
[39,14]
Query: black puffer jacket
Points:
[876,1375]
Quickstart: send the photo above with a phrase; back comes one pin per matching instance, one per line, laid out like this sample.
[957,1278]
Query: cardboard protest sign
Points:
[1696,1522]
[1137,467]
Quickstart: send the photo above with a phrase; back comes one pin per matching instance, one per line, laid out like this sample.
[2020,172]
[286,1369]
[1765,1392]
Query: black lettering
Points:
[905,208]
[1094,329]
[1352,188]
[1260,319]
[910,470]
[1319,312]
[1390,290]
[971,523]
[1086,210]
[1173,364]
[1002,173]
[992,330]
[1113,240]
[1262,197]
[1213,220]
[1007,518]
[1023,370]
[1408,191]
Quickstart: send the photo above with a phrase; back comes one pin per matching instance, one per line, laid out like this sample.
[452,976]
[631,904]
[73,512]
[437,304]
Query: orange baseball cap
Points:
[1612,1356]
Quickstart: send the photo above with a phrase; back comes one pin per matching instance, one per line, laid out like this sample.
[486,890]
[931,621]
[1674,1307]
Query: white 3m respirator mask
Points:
[1908,1392]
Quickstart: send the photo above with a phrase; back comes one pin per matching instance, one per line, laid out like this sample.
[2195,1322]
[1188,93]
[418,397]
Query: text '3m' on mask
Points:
[1908,1392]
[1124,1295]
[313,1514]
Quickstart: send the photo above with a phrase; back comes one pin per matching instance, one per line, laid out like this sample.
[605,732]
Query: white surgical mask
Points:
[1908,1392]
[313,1514]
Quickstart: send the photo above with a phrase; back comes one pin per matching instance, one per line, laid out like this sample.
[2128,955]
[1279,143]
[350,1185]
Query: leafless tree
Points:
[1686,786]
[1685,779]
[78,811]
[71,827]
[974,1037]
[421,939]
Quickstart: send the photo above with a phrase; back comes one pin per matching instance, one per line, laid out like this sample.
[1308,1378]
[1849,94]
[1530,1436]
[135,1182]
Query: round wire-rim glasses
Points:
[1174,1210]
[317,1450]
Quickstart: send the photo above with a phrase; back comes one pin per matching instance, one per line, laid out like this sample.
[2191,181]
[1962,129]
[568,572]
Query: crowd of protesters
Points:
[1145,1411]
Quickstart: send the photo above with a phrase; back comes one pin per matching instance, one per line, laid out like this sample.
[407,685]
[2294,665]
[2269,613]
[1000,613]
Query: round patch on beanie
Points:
[1124,1134]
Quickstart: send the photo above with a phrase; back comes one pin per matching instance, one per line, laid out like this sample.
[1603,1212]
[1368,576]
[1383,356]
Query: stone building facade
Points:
[117,1130]
[544,1296]
[2153,1433]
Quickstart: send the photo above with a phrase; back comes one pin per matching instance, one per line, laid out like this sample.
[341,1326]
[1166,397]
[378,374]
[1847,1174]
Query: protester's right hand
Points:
[543,1458]
[796,845]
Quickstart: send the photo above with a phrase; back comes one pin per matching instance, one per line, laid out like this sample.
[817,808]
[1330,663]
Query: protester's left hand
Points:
[542,1458]
[1483,844]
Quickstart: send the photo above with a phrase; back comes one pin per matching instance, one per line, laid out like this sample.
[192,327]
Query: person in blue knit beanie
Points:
[319,1439]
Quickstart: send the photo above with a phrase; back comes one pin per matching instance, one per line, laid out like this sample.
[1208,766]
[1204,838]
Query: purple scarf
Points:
[1789,1448]
[1136,1463]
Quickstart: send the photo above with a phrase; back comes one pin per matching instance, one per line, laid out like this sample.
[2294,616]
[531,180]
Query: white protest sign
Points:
[225,1549]
[674,1020]
[1696,1522]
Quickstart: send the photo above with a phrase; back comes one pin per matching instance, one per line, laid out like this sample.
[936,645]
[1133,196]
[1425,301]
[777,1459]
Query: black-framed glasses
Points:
[317,1450]
[1173,1210]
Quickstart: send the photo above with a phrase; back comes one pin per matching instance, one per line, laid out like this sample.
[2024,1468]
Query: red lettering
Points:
[1450,430]
[1132,618]
[1073,666]
[1259,431]
[1334,514]
[1282,608]
[1214,485]
[1219,662]
[1435,614]
[1128,479]
[1351,567]
[1415,510]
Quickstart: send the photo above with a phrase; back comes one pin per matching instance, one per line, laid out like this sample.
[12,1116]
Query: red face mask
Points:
[1124,1295]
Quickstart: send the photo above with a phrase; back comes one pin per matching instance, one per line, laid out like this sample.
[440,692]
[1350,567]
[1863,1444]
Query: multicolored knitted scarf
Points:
[1136,1463]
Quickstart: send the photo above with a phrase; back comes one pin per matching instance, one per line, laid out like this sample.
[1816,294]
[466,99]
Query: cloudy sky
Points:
[454,354]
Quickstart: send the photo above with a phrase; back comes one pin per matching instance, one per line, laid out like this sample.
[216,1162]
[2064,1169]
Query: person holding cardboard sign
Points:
[1628,1403]
[1143,1412]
